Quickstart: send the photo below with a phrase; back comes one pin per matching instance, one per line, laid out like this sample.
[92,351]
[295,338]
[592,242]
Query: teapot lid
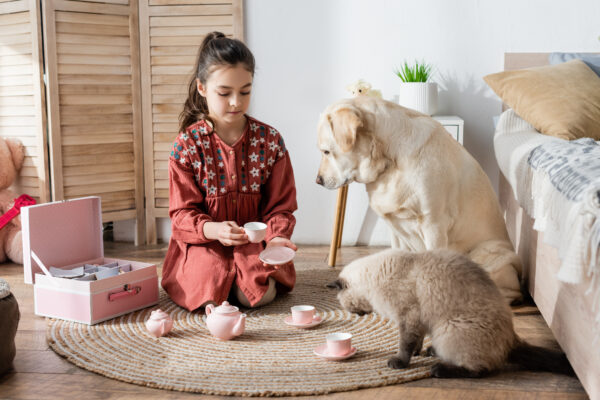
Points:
[158,314]
[226,308]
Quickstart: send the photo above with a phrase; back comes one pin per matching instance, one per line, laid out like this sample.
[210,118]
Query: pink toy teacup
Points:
[303,314]
[159,323]
[339,343]
[256,231]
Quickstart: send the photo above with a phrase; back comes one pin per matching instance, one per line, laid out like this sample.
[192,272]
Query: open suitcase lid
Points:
[61,233]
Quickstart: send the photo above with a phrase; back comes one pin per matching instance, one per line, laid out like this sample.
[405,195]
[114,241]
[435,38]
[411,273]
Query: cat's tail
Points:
[534,358]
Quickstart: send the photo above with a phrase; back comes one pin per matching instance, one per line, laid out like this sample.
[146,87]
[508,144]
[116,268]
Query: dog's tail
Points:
[499,259]
[534,358]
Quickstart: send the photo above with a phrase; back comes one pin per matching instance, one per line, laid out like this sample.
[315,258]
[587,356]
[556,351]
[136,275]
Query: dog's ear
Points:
[344,125]
[338,284]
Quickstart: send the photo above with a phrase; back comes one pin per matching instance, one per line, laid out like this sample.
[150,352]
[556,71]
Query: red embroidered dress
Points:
[251,180]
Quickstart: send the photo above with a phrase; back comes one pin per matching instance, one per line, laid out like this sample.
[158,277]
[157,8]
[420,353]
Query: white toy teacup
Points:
[256,231]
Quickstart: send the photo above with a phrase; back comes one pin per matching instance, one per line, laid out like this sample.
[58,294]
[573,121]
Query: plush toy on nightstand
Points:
[12,155]
[362,88]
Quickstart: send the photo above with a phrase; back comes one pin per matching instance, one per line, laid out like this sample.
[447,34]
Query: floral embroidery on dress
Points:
[259,152]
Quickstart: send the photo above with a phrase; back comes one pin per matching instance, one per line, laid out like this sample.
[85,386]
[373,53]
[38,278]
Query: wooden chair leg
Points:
[336,233]
[343,217]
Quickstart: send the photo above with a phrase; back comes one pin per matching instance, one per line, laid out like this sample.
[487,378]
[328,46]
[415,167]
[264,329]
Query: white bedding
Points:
[556,182]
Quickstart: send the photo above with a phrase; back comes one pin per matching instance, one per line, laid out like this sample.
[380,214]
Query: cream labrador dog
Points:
[431,192]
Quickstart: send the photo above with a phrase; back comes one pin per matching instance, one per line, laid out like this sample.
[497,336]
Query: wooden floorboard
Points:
[39,373]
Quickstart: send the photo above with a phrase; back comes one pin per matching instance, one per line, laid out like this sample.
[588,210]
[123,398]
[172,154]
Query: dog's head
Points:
[348,148]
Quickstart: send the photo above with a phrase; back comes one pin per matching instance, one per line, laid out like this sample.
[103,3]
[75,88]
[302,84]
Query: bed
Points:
[557,238]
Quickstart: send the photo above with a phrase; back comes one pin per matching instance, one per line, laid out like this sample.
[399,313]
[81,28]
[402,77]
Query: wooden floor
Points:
[40,374]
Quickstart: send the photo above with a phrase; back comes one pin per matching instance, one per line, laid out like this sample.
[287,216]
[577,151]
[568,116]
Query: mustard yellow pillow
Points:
[560,100]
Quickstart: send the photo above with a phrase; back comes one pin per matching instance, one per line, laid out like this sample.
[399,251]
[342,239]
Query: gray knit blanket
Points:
[557,182]
[566,203]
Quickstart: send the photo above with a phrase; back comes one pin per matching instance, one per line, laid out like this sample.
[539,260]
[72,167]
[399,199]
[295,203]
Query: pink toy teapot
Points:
[225,321]
[159,323]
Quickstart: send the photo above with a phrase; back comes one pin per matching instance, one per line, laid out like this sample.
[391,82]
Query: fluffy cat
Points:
[444,294]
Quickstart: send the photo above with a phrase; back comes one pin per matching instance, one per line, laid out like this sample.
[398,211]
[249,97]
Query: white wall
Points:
[308,51]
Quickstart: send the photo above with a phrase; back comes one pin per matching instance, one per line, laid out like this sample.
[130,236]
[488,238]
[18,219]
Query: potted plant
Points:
[416,91]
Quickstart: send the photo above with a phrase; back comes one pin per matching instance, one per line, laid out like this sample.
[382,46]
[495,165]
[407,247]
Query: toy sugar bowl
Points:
[159,323]
[225,321]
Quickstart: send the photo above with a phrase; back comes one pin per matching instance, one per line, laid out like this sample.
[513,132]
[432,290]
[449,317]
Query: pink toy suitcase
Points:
[66,234]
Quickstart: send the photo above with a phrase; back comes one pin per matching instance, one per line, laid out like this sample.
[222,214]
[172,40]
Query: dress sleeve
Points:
[186,205]
[279,200]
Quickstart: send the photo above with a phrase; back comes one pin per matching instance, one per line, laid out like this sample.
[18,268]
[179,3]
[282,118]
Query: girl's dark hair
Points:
[216,50]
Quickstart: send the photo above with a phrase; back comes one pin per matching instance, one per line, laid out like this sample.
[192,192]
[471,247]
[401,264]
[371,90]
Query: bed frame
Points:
[565,307]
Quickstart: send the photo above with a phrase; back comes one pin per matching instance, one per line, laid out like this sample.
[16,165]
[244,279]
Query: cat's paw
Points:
[397,362]
[438,371]
[418,347]
[430,352]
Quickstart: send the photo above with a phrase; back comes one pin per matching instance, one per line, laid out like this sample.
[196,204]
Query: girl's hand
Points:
[228,233]
[279,241]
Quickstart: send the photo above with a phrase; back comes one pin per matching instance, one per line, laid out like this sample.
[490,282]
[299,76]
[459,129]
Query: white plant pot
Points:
[420,96]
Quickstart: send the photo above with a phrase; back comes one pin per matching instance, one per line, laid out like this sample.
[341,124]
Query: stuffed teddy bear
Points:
[362,88]
[12,155]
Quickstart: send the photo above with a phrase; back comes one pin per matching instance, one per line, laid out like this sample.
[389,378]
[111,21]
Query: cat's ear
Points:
[338,284]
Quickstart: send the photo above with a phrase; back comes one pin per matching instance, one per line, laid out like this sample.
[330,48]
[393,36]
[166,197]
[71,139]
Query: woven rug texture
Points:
[269,359]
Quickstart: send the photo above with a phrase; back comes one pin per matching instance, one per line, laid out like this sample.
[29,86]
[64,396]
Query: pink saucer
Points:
[277,255]
[316,321]
[321,351]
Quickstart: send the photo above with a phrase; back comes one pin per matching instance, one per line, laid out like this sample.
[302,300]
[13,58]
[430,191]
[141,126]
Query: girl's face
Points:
[227,93]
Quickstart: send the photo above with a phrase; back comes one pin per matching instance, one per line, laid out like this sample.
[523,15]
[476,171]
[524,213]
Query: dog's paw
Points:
[517,302]
[397,363]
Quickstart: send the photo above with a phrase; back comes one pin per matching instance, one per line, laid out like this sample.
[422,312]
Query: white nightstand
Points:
[453,124]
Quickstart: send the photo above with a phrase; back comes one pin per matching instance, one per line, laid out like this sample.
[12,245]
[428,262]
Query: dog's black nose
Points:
[319,179]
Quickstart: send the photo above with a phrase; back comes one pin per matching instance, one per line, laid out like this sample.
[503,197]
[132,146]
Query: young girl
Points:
[226,169]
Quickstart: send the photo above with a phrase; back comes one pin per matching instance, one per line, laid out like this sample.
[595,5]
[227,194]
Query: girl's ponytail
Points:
[216,50]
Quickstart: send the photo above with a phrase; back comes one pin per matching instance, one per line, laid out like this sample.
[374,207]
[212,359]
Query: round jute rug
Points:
[269,359]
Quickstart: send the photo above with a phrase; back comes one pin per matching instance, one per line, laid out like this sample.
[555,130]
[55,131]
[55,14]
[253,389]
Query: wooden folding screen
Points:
[94,104]
[22,109]
[170,34]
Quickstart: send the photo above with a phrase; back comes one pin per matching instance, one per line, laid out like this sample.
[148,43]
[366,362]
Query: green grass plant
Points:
[419,72]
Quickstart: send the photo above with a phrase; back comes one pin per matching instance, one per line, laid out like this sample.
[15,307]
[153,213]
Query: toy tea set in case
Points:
[63,257]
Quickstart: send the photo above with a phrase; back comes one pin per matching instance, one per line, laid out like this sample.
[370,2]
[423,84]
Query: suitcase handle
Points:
[126,292]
